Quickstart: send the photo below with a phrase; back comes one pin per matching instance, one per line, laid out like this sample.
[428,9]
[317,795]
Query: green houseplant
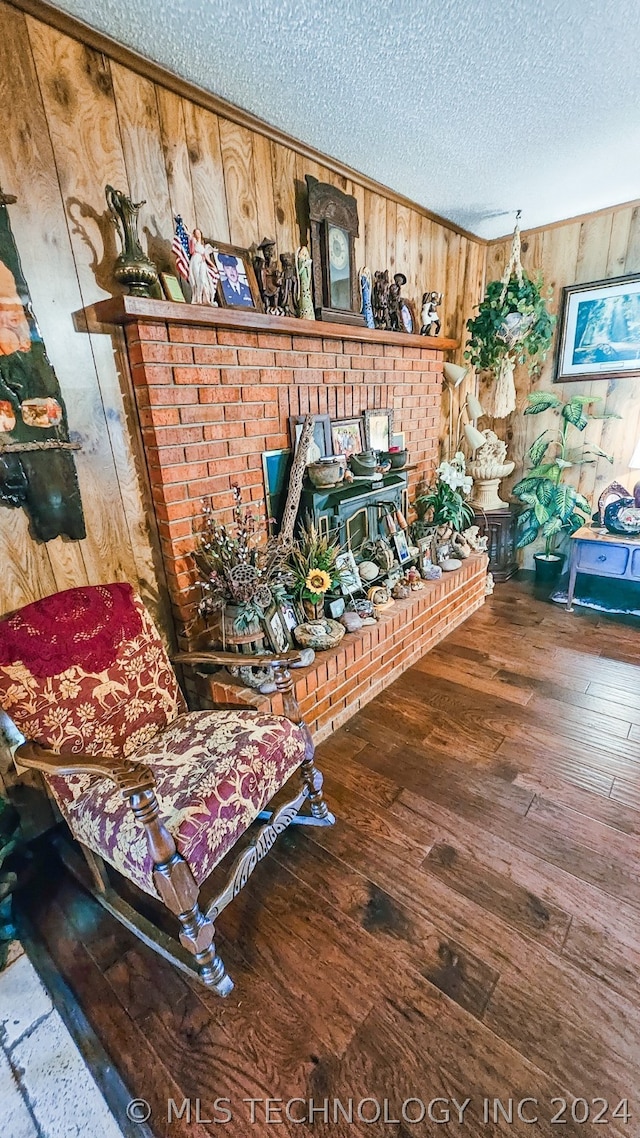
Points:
[513,326]
[444,501]
[553,507]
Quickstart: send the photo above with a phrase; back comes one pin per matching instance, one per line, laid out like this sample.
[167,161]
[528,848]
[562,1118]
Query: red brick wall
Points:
[212,400]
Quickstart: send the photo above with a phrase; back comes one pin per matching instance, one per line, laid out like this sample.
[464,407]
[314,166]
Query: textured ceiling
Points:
[472,109]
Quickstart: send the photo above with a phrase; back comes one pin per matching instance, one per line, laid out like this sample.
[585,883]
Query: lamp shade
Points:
[475,406]
[454,374]
[474,437]
[634,461]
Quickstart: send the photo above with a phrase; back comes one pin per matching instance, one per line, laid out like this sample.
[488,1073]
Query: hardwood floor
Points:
[468,930]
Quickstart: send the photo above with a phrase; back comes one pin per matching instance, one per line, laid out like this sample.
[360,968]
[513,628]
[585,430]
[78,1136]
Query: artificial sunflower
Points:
[318,581]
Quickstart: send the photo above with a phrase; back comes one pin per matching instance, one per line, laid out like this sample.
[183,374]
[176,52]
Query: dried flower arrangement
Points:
[311,567]
[237,568]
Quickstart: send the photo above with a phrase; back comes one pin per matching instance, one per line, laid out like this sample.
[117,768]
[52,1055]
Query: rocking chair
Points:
[90,700]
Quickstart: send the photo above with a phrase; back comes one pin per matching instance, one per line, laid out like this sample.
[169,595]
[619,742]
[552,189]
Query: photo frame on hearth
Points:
[378,429]
[237,286]
[276,470]
[346,436]
[321,435]
[402,549]
[290,615]
[278,634]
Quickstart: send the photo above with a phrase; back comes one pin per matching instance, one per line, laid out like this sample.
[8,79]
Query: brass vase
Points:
[132,268]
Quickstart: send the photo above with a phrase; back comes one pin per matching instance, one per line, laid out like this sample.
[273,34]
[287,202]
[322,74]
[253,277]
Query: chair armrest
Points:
[131,778]
[237,659]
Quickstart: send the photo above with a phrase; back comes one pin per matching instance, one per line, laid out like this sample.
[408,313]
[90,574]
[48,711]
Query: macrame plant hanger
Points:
[504,394]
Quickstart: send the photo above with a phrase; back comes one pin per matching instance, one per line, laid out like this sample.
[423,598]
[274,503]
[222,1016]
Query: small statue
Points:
[132,267]
[380,298]
[287,300]
[366,307]
[395,302]
[306,310]
[489,585]
[203,274]
[431,322]
[268,275]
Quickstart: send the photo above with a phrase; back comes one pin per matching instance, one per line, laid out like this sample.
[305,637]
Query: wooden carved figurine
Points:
[380,299]
[395,298]
[287,300]
[306,310]
[269,276]
[431,322]
[365,292]
[132,268]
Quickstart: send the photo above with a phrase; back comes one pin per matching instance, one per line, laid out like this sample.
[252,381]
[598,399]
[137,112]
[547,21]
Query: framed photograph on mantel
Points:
[237,287]
[378,429]
[599,330]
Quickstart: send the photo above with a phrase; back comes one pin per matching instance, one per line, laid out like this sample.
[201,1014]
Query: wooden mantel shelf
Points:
[133,309]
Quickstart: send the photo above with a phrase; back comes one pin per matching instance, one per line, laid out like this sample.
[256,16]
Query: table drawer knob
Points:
[602,557]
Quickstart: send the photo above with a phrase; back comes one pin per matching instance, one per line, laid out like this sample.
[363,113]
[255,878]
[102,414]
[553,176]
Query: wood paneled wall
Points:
[74,120]
[606,244]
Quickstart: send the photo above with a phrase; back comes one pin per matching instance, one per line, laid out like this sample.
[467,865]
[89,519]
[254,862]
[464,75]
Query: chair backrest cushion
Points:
[85,672]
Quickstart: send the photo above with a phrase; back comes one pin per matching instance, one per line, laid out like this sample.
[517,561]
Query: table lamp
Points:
[453,377]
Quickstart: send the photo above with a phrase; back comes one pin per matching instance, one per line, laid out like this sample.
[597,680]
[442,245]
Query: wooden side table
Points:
[602,554]
[500,527]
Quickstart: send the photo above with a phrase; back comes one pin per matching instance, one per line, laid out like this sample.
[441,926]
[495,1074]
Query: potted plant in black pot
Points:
[554,507]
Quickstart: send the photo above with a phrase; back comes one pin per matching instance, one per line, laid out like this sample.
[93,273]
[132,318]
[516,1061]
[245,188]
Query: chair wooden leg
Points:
[178,890]
[313,780]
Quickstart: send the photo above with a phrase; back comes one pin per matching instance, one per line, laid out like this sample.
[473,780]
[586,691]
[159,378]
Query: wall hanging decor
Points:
[37,468]
[599,332]
[333,222]
[513,326]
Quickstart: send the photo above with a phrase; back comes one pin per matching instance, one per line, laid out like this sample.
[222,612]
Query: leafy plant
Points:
[9,840]
[444,500]
[493,334]
[553,506]
[311,566]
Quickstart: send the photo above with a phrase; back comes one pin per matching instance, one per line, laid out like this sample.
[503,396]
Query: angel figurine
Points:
[203,274]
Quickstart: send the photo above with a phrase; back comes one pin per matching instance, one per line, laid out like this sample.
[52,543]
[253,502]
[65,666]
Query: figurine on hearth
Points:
[303,262]
[268,275]
[431,322]
[395,298]
[366,288]
[194,263]
[288,298]
[380,298]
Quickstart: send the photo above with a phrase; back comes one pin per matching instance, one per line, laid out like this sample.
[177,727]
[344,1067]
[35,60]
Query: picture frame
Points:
[346,436]
[276,469]
[402,549]
[599,330]
[350,578]
[278,634]
[171,288]
[237,287]
[378,429]
[399,438]
[426,550]
[321,433]
[290,616]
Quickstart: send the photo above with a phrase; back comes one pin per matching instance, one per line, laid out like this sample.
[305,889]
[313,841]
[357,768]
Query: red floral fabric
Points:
[79,626]
[87,710]
[215,770]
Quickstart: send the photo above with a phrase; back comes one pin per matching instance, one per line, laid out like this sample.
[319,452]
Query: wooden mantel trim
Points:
[135,309]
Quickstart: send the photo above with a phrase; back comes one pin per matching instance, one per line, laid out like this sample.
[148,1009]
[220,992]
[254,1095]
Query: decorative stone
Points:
[450,564]
[432,573]
[319,634]
[307,656]
[368,570]
[351,621]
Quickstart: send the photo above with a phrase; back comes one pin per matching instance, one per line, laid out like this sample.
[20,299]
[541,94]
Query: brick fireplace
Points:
[214,390]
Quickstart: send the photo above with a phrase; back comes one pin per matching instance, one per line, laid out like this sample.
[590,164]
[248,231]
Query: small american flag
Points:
[180,248]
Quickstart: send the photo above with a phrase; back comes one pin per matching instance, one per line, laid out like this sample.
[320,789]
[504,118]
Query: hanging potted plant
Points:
[513,326]
[553,507]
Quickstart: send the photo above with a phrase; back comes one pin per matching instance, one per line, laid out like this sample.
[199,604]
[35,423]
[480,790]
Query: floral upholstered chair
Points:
[162,794]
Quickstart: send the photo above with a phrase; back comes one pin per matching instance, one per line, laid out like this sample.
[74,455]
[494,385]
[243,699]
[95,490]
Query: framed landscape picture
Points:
[599,330]
[378,428]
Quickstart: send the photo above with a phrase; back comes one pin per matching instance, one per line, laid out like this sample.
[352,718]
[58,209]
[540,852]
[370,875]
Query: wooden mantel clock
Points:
[333,221]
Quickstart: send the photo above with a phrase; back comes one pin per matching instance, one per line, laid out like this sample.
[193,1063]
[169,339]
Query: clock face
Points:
[338,248]
[339,267]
